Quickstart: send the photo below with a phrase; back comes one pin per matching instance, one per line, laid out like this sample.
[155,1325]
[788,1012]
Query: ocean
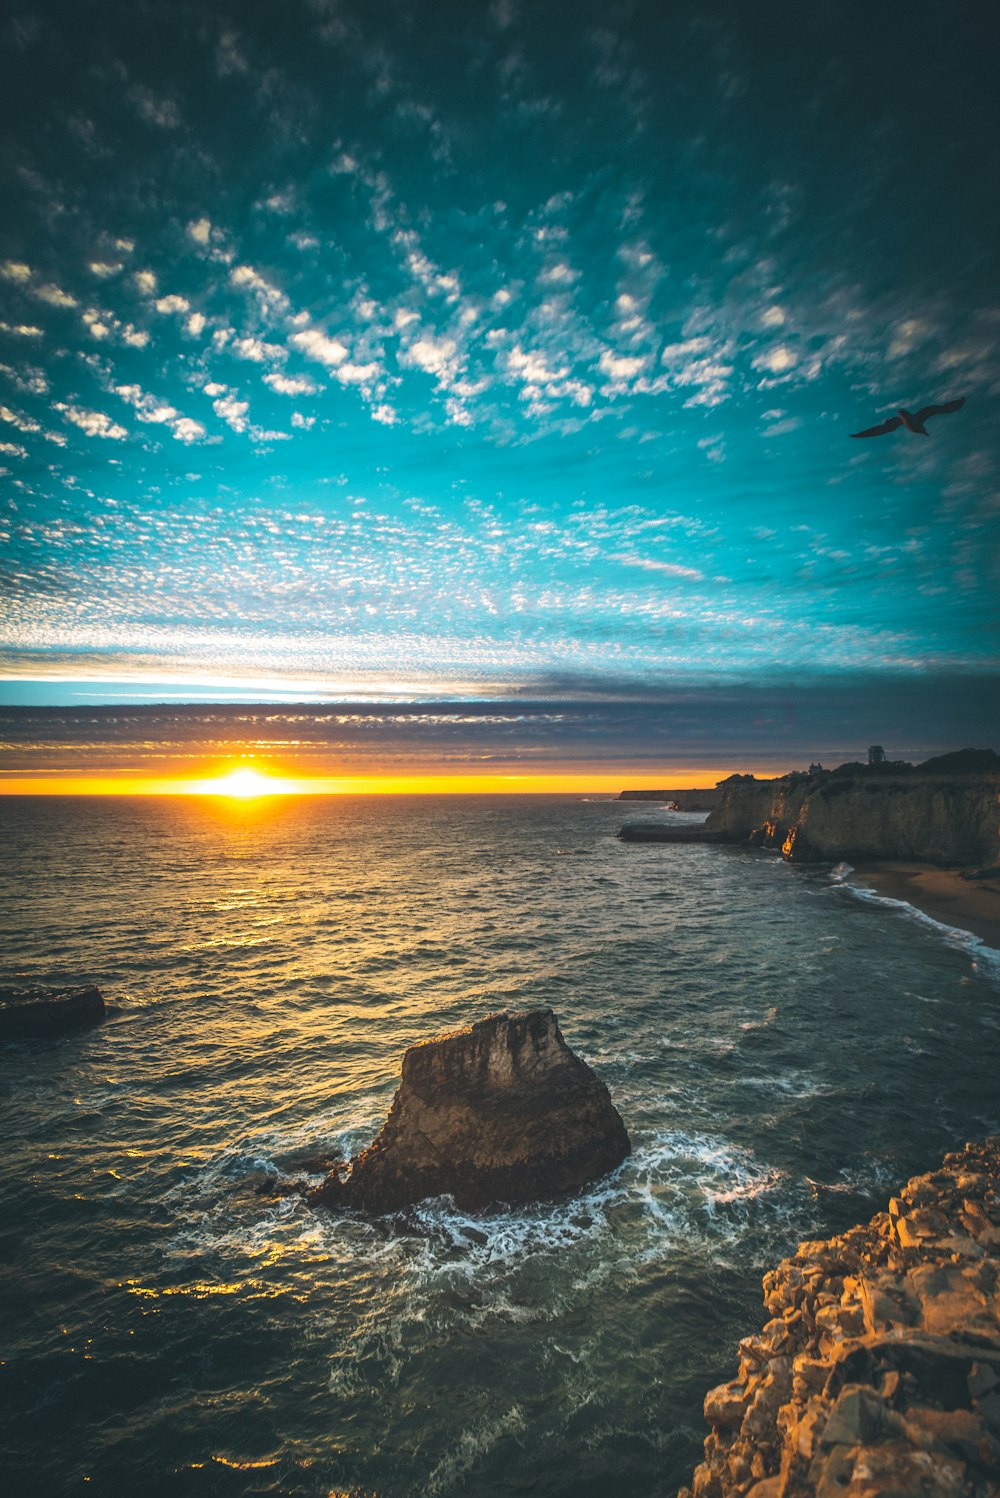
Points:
[784,1053]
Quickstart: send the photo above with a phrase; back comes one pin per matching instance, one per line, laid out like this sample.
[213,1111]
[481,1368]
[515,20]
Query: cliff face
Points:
[879,1371]
[944,819]
[500,1112]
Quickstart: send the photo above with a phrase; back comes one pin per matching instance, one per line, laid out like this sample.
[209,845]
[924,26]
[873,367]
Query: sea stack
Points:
[499,1113]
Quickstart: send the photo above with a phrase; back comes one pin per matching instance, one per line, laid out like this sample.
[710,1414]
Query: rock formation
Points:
[26,1012]
[686,800]
[879,1371]
[501,1112]
[867,812]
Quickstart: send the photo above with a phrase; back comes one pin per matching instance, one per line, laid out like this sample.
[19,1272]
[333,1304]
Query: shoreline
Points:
[942,894]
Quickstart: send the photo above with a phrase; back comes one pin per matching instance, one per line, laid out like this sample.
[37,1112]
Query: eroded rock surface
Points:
[500,1112]
[944,812]
[27,1012]
[878,1373]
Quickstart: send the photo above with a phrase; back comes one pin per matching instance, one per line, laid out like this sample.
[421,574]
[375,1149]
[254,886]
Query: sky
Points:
[497,363]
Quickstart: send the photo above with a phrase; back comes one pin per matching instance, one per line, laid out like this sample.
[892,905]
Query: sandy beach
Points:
[943,894]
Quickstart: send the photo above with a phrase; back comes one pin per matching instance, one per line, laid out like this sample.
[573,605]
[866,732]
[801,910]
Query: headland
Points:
[928,834]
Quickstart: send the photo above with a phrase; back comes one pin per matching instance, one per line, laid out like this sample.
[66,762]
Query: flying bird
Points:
[913,421]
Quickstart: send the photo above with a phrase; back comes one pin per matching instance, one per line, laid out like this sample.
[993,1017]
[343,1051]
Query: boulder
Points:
[501,1112]
[27,1012]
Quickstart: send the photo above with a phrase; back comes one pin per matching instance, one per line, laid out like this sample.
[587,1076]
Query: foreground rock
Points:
[502,1112]
[879,1372]
[27,1012]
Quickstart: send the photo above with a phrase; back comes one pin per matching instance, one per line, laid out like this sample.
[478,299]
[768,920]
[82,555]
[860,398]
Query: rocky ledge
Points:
[879,1372]
[27,1012]
[501,1112]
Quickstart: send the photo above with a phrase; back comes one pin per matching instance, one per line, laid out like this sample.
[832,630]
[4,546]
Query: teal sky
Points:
[493,351]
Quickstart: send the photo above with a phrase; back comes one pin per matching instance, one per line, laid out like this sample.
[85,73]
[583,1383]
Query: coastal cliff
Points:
[854,813]
[879,1370]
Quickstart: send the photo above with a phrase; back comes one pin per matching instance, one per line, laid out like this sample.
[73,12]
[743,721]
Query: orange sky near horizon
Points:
[244,781]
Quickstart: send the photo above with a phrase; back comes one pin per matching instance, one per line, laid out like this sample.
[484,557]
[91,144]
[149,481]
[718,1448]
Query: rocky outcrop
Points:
[879,1370]
[866,813]
[501,1112]
[27,1012]
[686,800]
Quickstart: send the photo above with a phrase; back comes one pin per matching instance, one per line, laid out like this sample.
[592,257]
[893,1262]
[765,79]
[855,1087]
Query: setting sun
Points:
[243,783]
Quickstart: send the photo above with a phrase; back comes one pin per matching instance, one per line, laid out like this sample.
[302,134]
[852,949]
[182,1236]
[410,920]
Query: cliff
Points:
[500,1112]
[878,1373]
[853,813]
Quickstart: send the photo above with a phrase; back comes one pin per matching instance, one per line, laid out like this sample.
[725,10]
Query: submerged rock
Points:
[27,1012]
[501,1112]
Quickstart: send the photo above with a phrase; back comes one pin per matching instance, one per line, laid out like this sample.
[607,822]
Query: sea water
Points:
[783,1054]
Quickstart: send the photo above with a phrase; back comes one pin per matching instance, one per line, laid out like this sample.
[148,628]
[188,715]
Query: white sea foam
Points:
[985,959]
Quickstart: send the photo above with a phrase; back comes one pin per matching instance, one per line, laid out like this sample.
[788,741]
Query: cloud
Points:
[291,384]
[173,303]
[94,423]
[258,352]
[532,367]
[154,110]
[104,269]
[434,356]
[15,270]
[200,230]
[232,411]
[268,296]
[150,409]
[103,325]
[16,419]
[315,345]
[29,381]
[670,569]
[54,296]
[777,360]
[147,407]
[146,282]
[621,367]
[358,374]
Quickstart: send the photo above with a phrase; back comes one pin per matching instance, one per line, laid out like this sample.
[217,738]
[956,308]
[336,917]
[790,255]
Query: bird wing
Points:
[886,426]
[944,410]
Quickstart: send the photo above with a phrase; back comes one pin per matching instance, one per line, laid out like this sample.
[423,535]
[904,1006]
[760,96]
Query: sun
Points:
[244,784]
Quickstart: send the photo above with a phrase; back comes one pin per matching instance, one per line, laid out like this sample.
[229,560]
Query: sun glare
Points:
[242,783]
